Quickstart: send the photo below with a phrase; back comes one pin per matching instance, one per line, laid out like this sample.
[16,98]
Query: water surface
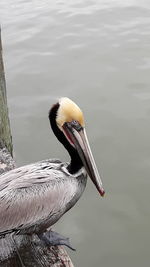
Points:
[98,54]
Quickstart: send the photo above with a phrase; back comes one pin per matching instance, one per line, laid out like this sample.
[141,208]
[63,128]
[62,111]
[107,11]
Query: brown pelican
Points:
[35,196]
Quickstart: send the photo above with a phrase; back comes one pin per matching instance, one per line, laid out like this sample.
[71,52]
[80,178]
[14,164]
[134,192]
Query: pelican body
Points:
[35,196]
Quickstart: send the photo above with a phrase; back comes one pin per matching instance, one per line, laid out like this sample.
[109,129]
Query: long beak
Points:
[81,143]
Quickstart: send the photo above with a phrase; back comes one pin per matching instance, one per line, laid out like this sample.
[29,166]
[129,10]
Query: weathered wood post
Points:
[5,134]
[6,160]
[22,250]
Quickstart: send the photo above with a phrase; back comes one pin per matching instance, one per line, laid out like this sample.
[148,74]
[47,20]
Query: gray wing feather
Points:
[31,193]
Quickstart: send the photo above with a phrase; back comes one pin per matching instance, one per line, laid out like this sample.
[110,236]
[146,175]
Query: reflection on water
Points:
[97,53]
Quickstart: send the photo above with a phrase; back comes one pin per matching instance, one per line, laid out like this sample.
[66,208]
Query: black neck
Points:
[76,163]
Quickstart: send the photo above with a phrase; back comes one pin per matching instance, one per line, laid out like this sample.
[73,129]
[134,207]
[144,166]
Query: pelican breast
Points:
[37,195]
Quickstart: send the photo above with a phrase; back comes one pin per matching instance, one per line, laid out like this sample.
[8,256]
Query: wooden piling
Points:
[21,250]
[5,134]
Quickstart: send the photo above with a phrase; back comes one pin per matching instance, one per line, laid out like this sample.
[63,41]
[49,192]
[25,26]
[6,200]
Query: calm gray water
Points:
[98,54]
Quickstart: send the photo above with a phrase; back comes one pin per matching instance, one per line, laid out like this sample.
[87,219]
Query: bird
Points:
[35,196]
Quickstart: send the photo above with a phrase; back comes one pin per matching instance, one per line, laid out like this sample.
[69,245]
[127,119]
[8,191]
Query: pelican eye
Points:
[76,125]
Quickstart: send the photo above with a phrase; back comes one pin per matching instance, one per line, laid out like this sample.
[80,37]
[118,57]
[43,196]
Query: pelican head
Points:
[67,122]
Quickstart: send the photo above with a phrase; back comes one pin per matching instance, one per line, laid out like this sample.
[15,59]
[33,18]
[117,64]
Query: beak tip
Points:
[102,192]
